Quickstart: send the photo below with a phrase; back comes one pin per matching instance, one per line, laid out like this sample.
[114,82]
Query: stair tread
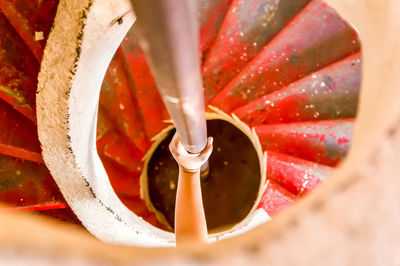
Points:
[120,104]
[149,100]
[211,14]
[329,93]
[275,198]
[19,135]
[24,183]
[313,39]
[32,20]
[247,27]
[325,142]
[18,71]
[112,145]
[294,174]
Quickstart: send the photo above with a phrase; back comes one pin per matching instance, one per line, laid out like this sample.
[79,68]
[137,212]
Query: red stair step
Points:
[65,215]
[52,205]
[330,93]
[123,166]
[16,90]
[276,198]
[135,204]
[14,51]
[211,14]
[124,182]
[18,135]
[18,71]
[117,99]
[152,219]
[104,124]
[138,206]
[296,175]
[112,145]
[313,39]
[24,183]
[325,142]
[149,100]
[247,27]
[30,18]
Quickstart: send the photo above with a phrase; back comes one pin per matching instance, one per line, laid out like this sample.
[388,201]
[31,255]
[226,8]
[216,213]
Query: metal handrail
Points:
[168,35]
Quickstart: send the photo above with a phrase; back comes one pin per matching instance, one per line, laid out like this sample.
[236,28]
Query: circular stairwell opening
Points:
[231,189]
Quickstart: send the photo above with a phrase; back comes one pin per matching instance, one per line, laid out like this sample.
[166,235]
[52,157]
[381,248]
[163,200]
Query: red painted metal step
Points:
[24,183]
[247,27]
[149,100]
[211,14]
[330,93]
[18,135]
[126,185]
[325,142]
[116,97]
[41,207]
[32,20]
[276,198]
[296,175]
[123,181]
[139,207]
[315,38]
[18,71]
[64,215]
[113,146]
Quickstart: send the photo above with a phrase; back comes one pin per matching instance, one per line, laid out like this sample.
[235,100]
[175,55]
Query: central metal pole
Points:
[168,34]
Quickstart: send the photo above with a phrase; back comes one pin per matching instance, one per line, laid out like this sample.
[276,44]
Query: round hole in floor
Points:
[229,191]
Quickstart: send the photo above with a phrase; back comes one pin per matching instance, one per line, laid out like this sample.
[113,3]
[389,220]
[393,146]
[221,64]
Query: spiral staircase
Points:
[289,69]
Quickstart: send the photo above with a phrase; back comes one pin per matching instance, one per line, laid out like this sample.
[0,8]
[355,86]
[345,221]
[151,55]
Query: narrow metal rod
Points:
[168,35]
